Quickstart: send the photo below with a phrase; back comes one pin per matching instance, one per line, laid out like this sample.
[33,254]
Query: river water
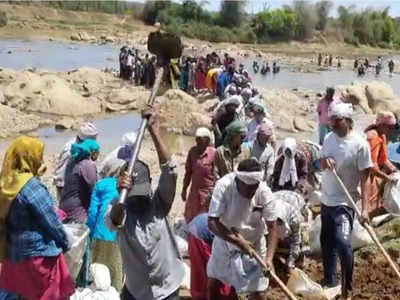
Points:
[57,56]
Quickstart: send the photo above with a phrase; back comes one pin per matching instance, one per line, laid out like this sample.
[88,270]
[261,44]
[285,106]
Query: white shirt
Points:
[253,127]
[352,155]
[248,216]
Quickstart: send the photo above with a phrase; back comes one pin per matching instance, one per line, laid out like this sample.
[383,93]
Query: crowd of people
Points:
[243,192]
[194,75]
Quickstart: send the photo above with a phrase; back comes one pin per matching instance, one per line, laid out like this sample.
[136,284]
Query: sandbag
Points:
[300,284]
[89,294]
[360,236]
[77,235]
[101,276]
[391,196]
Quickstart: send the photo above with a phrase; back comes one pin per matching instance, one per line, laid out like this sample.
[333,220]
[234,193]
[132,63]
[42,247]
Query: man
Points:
[322,110]
[86,131]
[225,114]
[223,80]
[150,259]
[261,149]
[240,207]
[350,155]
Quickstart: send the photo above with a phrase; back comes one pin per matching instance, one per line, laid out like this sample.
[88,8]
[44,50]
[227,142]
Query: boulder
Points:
[13,121]
[302,124]
[381,97]
[65,123]
[75,37]
[195,120]
[84,36]
[109,39]
[128,95]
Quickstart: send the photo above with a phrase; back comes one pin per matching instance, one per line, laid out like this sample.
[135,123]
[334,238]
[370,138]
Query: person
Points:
[330,60]
[32,239]
[200,240]
[184,77]
[349,154]
[290,170]
[150,259]
[289,218]
[241,207]
[391,66]
[80,178]
[104,247]
[339,62]
[200,80]
[355,64]
[86,131]
[322,110]
[383,169]
[366,63]
[212,79]
[122,53]
[319,59]
[261,149]
[191,75]
[222,118]
[128,141]
[259,118]
[199,174]
[232,152]
[223,80]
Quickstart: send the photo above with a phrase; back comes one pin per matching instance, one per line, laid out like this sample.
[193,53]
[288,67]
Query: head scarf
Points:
[386,118]
[129,139]
[88,131]
[203,132]
[81,151]
[112,168]
[340,110]
[21,162]
[289,171]
[234,128]
[235,99]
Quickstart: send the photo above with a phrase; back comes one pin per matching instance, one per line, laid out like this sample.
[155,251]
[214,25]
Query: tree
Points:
[152,9]
[231,13]
[276,24]
[323,8]
[306,18]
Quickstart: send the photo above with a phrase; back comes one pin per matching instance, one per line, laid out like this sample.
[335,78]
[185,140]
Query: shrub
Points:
[3,19]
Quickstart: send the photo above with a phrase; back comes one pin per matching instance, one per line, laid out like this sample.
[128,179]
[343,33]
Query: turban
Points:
[267,128]
[385,118]
[203,132]
[81,151]
[340,110]
[236,100]
[129,139]
[87,131]
[250,178]
[234,128]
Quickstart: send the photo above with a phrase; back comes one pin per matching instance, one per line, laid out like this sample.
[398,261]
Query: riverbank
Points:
[45,23]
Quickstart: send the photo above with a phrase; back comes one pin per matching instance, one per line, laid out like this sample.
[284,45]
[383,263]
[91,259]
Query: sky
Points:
[255,6]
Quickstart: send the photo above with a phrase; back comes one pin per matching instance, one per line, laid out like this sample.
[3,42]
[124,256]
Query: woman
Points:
[34,265]
[105,250]
[383,168]
[291,170]
[80,178]
[199,175]
[200,82]
[232,152]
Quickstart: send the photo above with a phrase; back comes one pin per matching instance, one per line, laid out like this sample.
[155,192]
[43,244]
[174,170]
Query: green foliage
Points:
[231,13]
[323,8]
[3,19]
[306,18]
[152,9]
[275,25]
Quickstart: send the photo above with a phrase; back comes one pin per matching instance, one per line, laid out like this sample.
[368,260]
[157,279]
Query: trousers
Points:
[336,232]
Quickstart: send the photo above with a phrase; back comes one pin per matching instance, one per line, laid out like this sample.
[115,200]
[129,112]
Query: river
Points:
[58,56]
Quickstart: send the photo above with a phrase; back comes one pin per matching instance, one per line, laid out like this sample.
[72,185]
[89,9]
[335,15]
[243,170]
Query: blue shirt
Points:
[104,192]
[223,80]
[34,228]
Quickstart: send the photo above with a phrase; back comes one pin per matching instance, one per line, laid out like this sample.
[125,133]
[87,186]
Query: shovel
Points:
[165,46]
[267,271]
[366,225]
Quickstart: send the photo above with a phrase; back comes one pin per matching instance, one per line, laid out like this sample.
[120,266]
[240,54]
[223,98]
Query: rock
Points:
[83,36]
[285,123]
[75,37]
[127,95]
[65,123]
[2,98]
[195,120]
[13,121]
[302,124]
[109,39]
[381,97]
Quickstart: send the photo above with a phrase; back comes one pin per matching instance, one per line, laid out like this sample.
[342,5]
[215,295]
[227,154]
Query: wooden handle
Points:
[366,225]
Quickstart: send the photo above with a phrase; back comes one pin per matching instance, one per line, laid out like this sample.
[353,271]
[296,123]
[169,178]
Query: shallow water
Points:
[65,56]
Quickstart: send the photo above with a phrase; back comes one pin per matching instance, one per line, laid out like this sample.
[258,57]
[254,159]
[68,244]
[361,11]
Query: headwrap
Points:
[257,107]
[250,178]
[386,118]
[235,99]
[112,168]
[83,150]
[21,162]
[203,132]
[267,128]
[234,128]
[289,171]
[129,139]
[246,93]
[88,131]
[340,110]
